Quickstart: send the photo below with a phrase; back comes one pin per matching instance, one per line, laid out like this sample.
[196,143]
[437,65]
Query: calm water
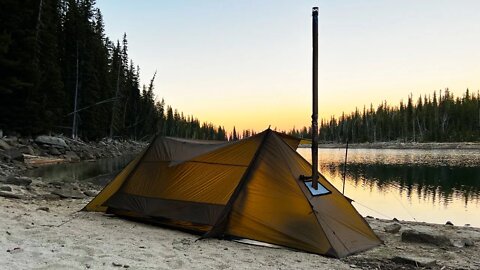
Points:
[423,185]
[100,171]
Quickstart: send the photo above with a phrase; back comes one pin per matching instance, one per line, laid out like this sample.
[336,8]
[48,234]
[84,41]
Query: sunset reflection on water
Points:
[423,185]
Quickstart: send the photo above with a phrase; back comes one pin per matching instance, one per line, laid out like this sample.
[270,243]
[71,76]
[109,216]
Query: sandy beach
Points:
[51,233]
[42,228]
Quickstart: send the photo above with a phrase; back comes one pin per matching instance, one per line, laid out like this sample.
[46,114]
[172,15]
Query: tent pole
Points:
[345,168]
[315,97]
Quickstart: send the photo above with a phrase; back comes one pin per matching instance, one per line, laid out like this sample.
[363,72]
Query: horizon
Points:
[225,64]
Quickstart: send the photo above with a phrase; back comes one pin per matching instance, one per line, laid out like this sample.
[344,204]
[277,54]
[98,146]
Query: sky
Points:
[248,63]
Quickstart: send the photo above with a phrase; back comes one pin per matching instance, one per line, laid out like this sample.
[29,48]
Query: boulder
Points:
[14,154]
[17,153]
[90,193]
[66,193]
[54,151]
[425,238]
[464,242]
[48,197]
[27,150]
[392,228]
[414,260]
[449,223]
[468,242]
[5,188]
[18,181]
[24,141]
[4,145]
[51,140]
[72,156]
[87,155]
[10,195]
[12,140]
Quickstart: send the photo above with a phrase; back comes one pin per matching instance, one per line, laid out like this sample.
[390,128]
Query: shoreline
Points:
[17,155]
[42,229]
[401,145]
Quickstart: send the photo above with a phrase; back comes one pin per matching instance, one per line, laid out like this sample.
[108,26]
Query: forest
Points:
[60,73]
[438,117]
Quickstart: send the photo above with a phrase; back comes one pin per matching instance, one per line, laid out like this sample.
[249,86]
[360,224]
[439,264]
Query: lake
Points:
[418,185]
[423,185]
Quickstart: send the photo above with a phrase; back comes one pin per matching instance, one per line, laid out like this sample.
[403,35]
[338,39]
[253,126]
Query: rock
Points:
[117,264]
[54,151]
[449,223]
[392,228]
[14,250]
[43,208]
[395,219]
[51,141]
[87,155]
[414,260]
[425,237]
[56,183]
[5,188]
[469,242]
[464,242]
[27,150]
[65,193]
[90,193]
[18,181]
[4,145]
[72,156]
[10,195]
[48,197]
[24,141]
[14,154]
[458,243]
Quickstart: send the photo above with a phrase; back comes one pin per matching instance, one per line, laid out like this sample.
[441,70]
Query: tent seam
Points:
[245,177]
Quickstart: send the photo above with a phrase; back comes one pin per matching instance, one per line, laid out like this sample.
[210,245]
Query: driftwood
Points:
[38,160]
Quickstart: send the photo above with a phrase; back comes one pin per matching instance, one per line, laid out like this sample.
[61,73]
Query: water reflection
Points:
[427,185]
[83,170]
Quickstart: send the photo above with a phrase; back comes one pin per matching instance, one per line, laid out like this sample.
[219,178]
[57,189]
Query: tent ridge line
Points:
[223,218]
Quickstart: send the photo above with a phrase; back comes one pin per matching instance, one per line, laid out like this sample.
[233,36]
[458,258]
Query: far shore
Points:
[401,145]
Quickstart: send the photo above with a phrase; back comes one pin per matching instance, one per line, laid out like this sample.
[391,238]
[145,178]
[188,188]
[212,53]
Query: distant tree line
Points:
[436,118]
[60,73]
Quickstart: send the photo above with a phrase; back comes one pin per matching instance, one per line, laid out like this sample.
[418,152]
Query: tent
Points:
[250,189]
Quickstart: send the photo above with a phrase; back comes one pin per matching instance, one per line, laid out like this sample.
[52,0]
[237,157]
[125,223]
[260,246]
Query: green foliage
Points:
[441,118]
[52,49]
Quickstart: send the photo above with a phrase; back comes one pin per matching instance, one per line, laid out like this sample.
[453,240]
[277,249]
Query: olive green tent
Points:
[249,189]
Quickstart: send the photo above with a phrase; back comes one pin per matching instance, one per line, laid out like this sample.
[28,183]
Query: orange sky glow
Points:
[248,63]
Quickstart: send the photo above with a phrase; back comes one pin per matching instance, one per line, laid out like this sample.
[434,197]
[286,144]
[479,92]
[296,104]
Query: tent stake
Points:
[315,98]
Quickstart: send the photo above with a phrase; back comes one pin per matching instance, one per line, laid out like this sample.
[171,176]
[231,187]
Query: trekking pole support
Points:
[315,98]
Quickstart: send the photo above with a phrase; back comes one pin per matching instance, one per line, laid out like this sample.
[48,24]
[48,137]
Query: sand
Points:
[63,238]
